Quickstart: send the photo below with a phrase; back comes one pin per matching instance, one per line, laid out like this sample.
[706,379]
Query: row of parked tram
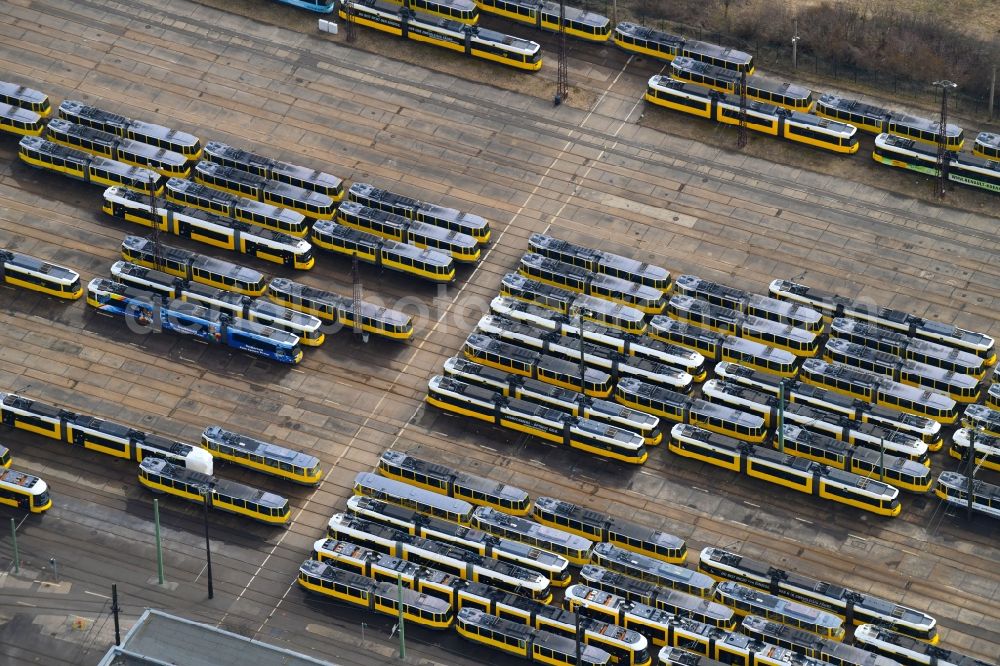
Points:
[601,353]
[410,524]
[239,200]
[165,465]
[705,80]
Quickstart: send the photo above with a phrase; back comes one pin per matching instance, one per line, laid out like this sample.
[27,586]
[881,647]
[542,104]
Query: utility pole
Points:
[795,43]
[942,156]
[13,540]
[743,134]
[781,416]
[583,367]
[154,227]
[402,635]
[206,497]
[970,469]
[993,89]
[359,330]
[562,77]
[579,641]
[115,609]
[159,545]
[881,459]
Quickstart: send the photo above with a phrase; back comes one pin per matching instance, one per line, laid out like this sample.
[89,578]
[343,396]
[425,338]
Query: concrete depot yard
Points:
[604,170]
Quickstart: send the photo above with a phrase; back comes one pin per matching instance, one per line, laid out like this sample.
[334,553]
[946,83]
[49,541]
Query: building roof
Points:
[161,639]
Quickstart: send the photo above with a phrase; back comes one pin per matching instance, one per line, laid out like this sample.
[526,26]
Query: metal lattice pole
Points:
[780,425]
[562,78]
[154,227]
[358,295]
[942,155]
[583,365]
[742,135]
[970,471]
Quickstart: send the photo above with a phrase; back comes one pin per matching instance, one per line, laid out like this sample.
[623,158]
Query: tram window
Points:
[692,103]
[782,474]
[717,455]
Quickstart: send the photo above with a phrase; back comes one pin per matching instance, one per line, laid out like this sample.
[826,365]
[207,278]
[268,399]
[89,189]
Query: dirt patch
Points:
[977,18]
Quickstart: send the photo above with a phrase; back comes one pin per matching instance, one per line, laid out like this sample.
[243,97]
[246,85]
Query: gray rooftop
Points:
[160,639]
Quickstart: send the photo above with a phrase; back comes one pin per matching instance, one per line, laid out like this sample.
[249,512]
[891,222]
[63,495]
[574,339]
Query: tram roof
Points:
[229,269]
[634,586]
[896,141]
[200,190]
[488,35]
[406,492]
[988,139]
[564,246]
[518,281]
[268,308]
[122,267]
[923,124]
[230,173]
[375,214]
[13,477]
[696,283]
[644,389]
[665,323]
[491,486]
[56,149]
[129,292]
[169,252]
[17,113]
[818,121]
[222,486]
[83,131]
[307,174]
[404,514]
[781,605]
[853,106]
[261,448]
[79,108]
[649,34]
[717,51]
[22,92]
[575,14]
[369,191]
[225,151]
[37,265]
[280,188]
[106,427]
[650,564]
[490,515]
[465,389]
[981,489]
